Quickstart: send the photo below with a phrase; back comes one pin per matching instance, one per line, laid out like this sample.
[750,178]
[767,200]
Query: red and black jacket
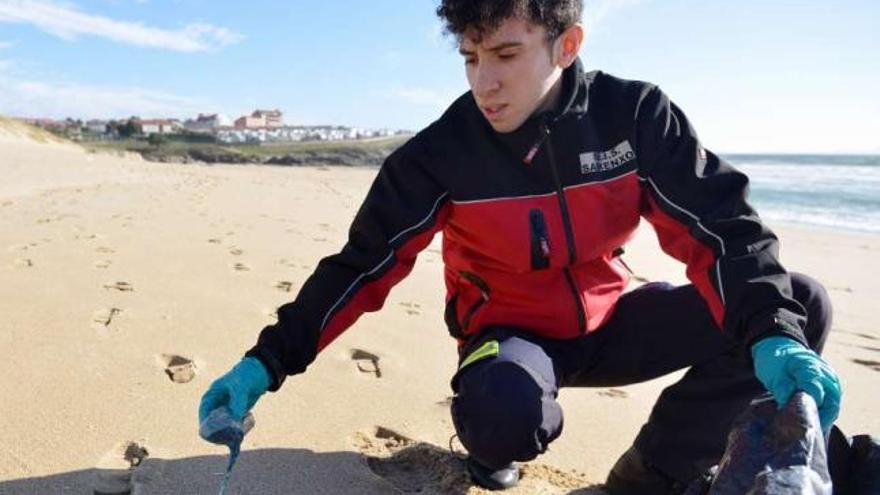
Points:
[533,223]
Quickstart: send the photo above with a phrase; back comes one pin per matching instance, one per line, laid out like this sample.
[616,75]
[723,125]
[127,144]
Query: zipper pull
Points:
[545,248]
[530,156]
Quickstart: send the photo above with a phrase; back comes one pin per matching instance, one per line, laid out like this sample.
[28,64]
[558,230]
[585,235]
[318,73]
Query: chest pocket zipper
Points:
[540,240]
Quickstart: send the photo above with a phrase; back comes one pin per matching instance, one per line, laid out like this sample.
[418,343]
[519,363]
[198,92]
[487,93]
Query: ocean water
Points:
[839,192]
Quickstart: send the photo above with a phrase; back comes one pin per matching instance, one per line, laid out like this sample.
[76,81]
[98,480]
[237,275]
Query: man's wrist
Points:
[259,373]
[271,365]
[775,323]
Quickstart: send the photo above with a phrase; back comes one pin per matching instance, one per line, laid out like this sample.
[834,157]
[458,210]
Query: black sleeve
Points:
[402,211]
[697,204]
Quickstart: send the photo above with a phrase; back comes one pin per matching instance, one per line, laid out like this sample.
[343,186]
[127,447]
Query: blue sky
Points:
[753,76]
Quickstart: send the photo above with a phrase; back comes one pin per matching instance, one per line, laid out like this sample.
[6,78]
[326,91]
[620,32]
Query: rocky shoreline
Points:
[352,157]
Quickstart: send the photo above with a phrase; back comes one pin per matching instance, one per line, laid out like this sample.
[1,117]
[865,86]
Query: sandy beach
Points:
[128,286]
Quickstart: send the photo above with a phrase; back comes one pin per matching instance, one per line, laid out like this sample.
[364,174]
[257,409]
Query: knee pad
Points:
[504,412]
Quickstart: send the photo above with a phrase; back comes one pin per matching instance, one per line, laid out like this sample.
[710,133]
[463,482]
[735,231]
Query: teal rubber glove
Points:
[784,365]
[239,389]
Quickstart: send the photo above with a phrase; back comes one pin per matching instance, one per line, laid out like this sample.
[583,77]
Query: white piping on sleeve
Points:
[381,263]
[704,229]
[428,217]
[344,294]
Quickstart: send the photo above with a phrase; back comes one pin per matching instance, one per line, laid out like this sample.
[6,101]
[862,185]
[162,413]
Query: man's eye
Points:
[506,56]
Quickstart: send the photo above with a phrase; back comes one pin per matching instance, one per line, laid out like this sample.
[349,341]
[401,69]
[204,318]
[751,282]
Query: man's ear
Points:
[568,45]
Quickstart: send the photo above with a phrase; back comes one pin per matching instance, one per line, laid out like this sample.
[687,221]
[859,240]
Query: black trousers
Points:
[505,408]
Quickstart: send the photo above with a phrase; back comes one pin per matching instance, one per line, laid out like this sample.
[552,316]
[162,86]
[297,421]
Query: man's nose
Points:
[486,82]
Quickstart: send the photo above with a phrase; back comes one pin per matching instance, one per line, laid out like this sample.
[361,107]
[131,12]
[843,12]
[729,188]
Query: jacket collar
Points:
[572,102]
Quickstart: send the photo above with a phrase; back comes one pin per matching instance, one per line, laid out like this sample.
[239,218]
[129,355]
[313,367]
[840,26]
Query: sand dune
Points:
[129,286]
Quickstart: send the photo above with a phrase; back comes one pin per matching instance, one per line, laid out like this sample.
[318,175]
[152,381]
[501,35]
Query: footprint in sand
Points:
[419,467]
[103,318]
[366,362]
[120,286]
[614,393]
[874,365]
[128,468]
[214,240]
[287,262]
[409,466]
[22,247]
[319,239]
[284,286]
[104,250]
[178,368]
[241,267]
[103,264]
[23,263]
[411,308]
[236,252]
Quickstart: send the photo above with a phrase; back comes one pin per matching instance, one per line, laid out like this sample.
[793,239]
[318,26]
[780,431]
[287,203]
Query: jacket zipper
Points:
[566,222]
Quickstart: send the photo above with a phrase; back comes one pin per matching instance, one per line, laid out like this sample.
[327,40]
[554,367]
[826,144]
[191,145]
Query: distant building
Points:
[249,122]
[260,119]
[238,135]
[160,126]
[207,122]
[271,118]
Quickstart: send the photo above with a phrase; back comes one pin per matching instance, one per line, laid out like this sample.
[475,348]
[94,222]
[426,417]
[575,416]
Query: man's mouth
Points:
[493,112]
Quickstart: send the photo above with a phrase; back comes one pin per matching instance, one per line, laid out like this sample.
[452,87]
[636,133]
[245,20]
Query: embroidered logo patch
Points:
[600,161]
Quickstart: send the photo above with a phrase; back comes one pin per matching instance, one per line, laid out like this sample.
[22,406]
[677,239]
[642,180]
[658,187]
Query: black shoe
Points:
[631,475]
[493,479]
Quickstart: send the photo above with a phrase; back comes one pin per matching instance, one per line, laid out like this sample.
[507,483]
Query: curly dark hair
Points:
[487,15]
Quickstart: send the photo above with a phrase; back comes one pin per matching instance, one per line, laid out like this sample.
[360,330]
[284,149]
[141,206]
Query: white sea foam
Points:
[837,192]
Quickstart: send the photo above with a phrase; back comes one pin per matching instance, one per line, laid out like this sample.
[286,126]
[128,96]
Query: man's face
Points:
[511,72]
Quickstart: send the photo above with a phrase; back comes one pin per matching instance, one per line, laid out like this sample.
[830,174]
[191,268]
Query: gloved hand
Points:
[784,365]
[238,389]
